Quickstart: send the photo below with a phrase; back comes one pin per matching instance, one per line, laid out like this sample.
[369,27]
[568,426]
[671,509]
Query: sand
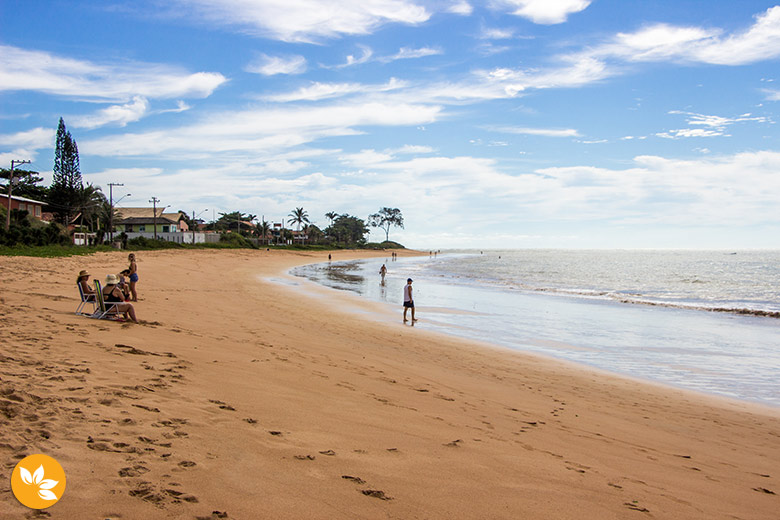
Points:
[241,396]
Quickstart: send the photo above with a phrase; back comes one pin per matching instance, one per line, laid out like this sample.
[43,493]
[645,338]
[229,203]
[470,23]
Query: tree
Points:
[234,220]
[299,216]
[262,230]
[385,219]
[331,216]
[66,187]
[91,205]
[26,186]
[348,229]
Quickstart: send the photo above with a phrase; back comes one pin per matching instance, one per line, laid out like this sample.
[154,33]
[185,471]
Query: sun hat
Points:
[111,279]
[83,272]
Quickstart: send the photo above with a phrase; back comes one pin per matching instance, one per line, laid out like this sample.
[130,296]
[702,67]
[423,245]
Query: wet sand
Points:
[239,397]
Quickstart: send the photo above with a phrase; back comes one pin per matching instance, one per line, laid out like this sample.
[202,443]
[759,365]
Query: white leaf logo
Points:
[36,479]
[26,477]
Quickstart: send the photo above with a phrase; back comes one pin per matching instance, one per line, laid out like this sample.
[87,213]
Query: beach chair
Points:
[85,302]
[104,310]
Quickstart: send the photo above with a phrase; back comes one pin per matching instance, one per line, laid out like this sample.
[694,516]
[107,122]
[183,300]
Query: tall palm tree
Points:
[299,216]
[331,215]
[262,230]
[91,201]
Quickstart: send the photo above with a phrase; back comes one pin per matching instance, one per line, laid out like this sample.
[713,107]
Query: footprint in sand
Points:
[376,493]
[222,405]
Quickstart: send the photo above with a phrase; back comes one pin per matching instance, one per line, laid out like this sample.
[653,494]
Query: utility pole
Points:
[14,162]
[154,201]
[194,223]
[111,210]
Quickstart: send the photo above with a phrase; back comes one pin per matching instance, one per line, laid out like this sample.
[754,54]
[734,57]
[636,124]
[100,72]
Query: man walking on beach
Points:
[408,300]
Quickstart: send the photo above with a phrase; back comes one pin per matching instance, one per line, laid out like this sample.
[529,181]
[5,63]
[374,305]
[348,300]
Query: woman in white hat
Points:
[113,294]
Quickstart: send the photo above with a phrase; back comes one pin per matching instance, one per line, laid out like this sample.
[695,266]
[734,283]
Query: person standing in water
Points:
[133,275]
[382,273]
[408,300]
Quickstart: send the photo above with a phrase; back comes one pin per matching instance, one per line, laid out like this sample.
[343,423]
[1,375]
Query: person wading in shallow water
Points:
[408,300]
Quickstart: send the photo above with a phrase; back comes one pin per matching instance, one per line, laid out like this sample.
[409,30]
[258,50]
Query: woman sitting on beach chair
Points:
[88,295]
[86,289]
[113,295]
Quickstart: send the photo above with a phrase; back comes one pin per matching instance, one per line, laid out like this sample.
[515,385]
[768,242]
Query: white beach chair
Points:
[86,300]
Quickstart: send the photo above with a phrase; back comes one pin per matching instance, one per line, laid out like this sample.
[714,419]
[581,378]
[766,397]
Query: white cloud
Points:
[405,53]
[544,11]
[22,69]
[352,60]
[460,7]
[119,115]
[496,33]
[272,65]
[25,145]
[306,20]
[35,139]
[260,132]
[318,91]
[690,132]
[663,42]
[715,125]
[413,149]
[772,95]
[545,132]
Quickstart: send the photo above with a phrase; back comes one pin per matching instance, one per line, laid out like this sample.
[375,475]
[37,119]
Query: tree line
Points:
[74,203]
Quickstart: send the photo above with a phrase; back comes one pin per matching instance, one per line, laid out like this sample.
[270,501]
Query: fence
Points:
[185,237]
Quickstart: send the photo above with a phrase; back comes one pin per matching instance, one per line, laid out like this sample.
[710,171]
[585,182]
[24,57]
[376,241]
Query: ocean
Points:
[707,321]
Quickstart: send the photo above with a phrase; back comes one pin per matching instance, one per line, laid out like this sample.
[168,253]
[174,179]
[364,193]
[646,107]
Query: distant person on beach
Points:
[383,272]
[83,282]
[133,275]
[112,294]
[408,300]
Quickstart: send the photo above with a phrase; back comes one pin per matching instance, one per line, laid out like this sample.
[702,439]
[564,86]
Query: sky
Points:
[494,124]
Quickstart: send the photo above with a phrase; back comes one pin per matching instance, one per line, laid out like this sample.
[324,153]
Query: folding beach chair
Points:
[86,300]
[104,310]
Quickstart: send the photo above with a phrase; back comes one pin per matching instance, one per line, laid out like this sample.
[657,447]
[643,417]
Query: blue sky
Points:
[506,123]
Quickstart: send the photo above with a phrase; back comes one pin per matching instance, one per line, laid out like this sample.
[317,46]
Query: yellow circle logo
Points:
[38,481]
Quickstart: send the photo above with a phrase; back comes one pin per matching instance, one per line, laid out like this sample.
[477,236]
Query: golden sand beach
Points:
[241,397]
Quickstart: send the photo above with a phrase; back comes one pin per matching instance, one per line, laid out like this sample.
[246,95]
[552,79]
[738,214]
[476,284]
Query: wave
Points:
[627,297]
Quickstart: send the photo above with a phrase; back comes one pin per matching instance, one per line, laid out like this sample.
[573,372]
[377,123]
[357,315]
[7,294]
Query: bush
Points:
[143,243]
[235,240]
[33,234]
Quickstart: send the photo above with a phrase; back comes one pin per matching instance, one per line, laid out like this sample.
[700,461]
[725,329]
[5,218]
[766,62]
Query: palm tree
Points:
[331,215]
[262,230]
[91,201]
[299,216]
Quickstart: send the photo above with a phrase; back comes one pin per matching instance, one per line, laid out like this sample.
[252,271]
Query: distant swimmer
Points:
[408,300]
[383,272]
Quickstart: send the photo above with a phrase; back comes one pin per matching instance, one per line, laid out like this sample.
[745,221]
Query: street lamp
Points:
[11,179]
[194,223]
[111,209]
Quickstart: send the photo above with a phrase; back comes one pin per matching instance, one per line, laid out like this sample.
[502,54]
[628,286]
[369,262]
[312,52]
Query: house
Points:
[146,225]
[142,220]
[33,207]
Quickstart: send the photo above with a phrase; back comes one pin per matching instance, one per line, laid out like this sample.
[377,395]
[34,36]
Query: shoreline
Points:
[298,408]
[677,371]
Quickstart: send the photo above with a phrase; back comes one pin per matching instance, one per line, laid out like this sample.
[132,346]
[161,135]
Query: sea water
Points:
[702,320]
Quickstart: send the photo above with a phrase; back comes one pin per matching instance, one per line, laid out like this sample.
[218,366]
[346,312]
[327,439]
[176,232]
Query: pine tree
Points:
[65,193]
